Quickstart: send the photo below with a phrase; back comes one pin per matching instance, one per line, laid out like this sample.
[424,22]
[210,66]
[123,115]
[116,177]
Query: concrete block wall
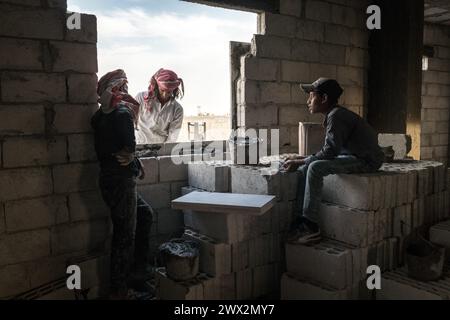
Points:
[436,96]
[50,206]
[307,40]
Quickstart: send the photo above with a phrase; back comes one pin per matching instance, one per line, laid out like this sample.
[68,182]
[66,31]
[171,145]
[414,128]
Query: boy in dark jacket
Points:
[115,146]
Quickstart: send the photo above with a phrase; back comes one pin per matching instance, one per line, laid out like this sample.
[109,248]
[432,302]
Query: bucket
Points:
[181,258]
[425,261]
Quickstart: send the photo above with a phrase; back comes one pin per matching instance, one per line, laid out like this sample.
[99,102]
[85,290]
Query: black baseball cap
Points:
[324,85]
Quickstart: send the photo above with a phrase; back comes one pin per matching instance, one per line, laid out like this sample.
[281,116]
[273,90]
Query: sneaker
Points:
[305,234]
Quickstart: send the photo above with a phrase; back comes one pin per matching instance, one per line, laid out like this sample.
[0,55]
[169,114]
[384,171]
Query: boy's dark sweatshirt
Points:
[114,132]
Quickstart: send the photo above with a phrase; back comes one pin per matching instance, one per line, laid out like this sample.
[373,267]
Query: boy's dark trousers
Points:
[132,219]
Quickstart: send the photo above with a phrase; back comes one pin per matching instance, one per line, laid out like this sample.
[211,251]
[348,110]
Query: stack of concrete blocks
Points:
[240,254]
[397,285]
[370,216]
[304,41]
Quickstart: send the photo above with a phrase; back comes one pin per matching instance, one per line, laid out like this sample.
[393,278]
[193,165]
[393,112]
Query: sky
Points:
[141,36]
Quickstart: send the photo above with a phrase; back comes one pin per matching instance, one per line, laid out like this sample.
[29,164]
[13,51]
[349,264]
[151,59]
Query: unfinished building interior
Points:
[398,78]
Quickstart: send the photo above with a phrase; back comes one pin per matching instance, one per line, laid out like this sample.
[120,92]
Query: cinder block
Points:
[2,219]
[33,87]
[402,225]
[60,4]
[265,280]
[210,176]
[16,21]
[335,260]
[18,120]
[310,30]
[13,280]
[151,167]
[24,246]
[81,236]
[306,51]
[247,92]
[291,7]
[318,10]
[88,31]
[169,221]
[265,46]
[75,177]
[219,288]
[66,57]
[227,286]
[25,183]
[171,171]
[256,115]
[261,250]
[253,68]
[440,235]
[244,284]
[56,290]
[227,228]
[81,147]
[401,143]
[82,88]
[215,258]
[293,288]
[276,24]
[211,289]
[79,120]
[47,269]
[157,195]
[396,285]
[240,255]
[86,206]
[95,272]
[311,138]
[359,191]
[347,225]
[20,54]
[36,213]
[23,152]
[251,180]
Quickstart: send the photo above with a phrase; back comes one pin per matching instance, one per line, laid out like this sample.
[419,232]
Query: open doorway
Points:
[191,39]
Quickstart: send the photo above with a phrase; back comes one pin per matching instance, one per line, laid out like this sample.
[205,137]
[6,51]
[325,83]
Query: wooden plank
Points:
[225,202]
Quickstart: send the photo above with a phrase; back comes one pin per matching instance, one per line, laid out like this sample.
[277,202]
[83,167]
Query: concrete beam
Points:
[245,5]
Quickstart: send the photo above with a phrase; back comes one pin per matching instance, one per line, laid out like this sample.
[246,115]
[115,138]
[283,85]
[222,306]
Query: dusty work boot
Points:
[305,233]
